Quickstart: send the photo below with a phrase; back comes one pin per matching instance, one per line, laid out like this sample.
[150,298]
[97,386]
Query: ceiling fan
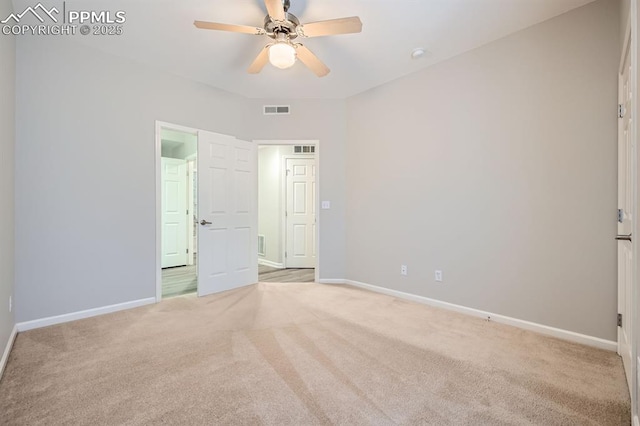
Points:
[283,28]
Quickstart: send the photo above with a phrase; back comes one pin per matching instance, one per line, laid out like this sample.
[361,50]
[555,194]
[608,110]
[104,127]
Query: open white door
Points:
[227,213]
[626,152]
[301,213]
[174,212]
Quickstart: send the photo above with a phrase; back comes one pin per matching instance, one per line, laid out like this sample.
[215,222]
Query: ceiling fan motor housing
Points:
[287,27]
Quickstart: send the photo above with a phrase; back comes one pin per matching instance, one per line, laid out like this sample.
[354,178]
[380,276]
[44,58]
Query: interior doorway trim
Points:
[316,156]
[158,158]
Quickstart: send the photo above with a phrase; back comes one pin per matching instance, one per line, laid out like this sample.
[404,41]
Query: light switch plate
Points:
[326,205]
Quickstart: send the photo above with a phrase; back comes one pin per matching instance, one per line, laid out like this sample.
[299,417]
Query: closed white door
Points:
[174,212]
[227,213]
[626,152]
[300,214]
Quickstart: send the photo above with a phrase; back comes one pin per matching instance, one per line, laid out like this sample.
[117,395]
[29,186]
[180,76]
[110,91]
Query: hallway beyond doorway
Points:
[178,281]
[267,274]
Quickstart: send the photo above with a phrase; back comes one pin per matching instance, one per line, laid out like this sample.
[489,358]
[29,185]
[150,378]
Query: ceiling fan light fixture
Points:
[282,55]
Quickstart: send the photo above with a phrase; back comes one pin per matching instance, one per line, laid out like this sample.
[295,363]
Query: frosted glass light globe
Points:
[282,55]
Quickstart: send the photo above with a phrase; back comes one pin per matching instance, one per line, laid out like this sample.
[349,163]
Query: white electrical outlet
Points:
[439,276]
[10,303]
[403,269]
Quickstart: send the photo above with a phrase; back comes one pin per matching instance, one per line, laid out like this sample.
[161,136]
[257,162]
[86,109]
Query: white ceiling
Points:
[161,33]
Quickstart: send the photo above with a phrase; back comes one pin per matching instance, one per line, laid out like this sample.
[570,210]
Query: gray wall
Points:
[323,120]
[85,214]
[499,168]
[85,227]
[7,145]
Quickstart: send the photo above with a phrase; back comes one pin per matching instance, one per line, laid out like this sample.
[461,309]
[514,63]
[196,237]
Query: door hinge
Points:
[187,212]
[620,215]
[187,251]
[285,254]
[621,111]
[619,320]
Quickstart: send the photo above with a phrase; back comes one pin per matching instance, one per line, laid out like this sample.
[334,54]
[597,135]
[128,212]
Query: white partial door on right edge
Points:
[227,213]
[626,152]
[301,213]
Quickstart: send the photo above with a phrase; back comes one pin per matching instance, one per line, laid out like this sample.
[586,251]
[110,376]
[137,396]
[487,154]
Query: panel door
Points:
[300,213]
[626,152]
[174,212]
[227,213]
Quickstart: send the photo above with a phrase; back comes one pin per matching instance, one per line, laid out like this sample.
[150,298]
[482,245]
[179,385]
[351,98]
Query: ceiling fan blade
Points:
[203,25]
[260,61]
[275,9]
[331,27]
[311,61]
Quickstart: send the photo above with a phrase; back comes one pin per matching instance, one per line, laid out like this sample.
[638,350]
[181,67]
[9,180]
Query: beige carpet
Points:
[304,354]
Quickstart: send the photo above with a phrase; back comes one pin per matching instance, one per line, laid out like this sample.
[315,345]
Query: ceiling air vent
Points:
[276,109]
[304,149]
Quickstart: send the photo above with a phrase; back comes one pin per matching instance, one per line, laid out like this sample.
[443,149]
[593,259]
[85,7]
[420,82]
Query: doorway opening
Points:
[221,204]
[178,211]
[288,221]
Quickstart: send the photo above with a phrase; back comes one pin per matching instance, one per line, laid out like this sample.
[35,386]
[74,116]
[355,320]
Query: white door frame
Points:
[316,156]
[158,155]
[191,225]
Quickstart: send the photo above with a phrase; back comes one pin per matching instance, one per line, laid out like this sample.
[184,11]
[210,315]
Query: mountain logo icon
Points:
[38,11]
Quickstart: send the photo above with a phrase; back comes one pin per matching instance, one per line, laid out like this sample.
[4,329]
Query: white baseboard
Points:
[7,350]
[332,281]
[266,262]
[527,325]
[59,319]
